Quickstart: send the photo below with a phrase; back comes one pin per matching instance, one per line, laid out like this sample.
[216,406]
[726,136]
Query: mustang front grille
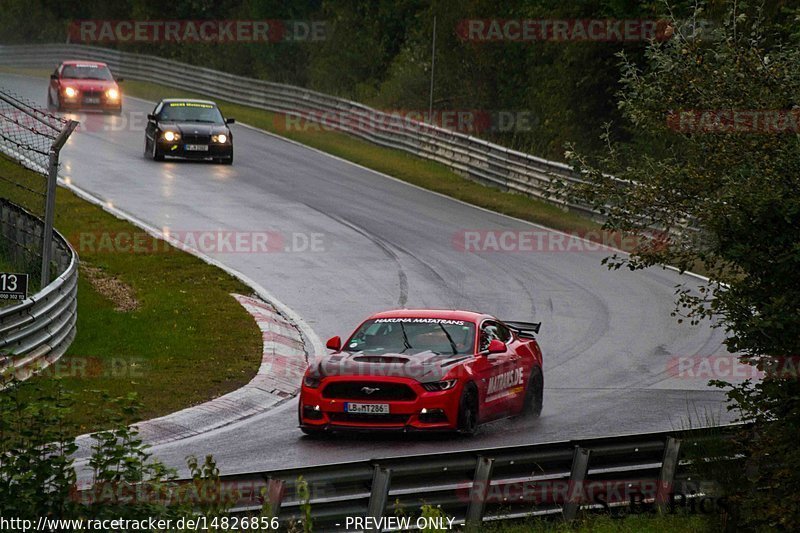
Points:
[368,390]
[344,418]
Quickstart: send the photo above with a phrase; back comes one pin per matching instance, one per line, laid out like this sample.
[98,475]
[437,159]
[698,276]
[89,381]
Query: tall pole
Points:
[49,215]
[433,66]
[50,200]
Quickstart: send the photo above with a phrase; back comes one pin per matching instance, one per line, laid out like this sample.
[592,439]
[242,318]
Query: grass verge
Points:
[152,320]
[675,523]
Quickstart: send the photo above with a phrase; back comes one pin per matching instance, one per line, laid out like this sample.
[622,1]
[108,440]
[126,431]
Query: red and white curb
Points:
[284,359]
[283,363]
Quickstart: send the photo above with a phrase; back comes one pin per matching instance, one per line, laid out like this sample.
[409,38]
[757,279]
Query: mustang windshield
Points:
[86,72]
[411,336]
[190,112]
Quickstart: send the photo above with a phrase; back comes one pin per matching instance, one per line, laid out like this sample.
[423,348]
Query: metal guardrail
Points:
[480,486]
[468,155]
[37,331]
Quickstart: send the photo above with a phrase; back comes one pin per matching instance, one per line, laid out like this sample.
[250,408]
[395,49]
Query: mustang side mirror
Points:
[53,76]
[230,120]
[496,346]
[151,116]
[119,80]
[334,343]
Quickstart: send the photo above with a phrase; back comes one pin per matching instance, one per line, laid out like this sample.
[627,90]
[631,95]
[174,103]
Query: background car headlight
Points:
[312,382]
[221,138]
[71,92]
[112,94]
[171,136]
[440,385]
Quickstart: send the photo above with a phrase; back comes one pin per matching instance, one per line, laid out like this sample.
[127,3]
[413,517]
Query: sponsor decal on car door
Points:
[505,385]
[503,378]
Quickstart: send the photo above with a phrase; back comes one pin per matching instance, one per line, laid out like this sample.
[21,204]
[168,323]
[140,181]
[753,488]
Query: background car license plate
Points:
[91,100]
[367,408]
[197,147]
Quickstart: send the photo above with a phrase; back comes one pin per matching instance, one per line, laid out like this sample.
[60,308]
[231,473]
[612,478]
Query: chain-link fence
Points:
[30,140]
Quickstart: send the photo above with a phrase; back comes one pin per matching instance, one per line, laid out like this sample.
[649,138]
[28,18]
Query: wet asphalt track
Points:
[607,336]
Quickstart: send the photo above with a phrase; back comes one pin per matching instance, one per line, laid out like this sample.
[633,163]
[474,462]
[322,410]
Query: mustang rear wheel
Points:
[534,394]
[468,411]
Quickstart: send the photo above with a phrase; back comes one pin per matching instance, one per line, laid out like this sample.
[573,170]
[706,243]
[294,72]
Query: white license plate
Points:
[367,408]
[91,100]
[196,148]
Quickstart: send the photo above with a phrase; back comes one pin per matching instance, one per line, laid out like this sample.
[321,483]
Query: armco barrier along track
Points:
[37,331]
[475,158]
[474,486]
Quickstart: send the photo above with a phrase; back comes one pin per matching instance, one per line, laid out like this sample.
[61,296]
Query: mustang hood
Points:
[424,366]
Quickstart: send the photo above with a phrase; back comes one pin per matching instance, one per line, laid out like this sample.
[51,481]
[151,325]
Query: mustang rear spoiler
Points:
[524,329]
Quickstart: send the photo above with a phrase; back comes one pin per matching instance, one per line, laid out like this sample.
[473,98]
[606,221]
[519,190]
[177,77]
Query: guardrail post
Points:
[577,475]
[274,496]
[379,496]
[666,476]
[479,490]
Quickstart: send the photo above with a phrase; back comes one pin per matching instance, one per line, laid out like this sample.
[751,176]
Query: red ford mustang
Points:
[84,85]
[424,370]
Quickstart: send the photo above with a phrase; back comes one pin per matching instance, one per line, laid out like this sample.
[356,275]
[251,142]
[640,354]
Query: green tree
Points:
[705,187]
[37,472]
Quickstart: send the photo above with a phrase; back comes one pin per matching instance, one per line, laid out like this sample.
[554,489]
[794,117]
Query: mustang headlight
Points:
[221,138]
[312,382]
[171,136]
[112,94]
[71,92]
[438,386]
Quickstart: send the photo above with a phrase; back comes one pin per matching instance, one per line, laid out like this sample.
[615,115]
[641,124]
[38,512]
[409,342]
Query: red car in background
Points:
[84,85]
[424,370]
